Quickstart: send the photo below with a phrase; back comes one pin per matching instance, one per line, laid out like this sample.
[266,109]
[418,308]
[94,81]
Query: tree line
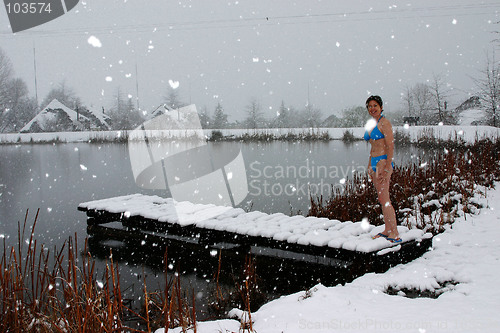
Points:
[426,101]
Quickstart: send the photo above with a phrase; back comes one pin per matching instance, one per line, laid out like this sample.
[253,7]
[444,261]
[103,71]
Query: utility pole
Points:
[34,66]
[308,101]
[137,85]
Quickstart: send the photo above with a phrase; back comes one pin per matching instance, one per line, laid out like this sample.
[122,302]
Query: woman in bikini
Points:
[380,166]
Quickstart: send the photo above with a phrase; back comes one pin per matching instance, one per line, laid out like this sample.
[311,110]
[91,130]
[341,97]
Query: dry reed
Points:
[41,292]
[426,195]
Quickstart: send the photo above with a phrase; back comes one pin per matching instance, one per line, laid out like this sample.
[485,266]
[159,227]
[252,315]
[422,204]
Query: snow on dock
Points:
[278,228]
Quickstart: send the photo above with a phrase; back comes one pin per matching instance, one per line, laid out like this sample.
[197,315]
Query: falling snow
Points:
[460,268]
[94,41]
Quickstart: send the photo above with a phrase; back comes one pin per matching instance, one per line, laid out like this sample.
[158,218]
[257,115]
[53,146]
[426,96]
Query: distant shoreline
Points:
[467,134]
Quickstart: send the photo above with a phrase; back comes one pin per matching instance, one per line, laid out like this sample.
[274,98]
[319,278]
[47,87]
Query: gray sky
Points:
[230,51]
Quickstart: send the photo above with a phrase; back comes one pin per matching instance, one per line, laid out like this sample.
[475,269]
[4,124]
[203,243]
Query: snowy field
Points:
[467,133]
[463,267]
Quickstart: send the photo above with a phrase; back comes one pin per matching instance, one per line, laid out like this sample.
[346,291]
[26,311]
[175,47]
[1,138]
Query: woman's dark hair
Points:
[375,98]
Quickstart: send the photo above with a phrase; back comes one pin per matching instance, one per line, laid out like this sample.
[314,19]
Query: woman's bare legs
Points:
[381,181]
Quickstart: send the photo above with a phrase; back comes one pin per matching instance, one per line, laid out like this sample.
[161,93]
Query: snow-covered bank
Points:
[463,267]
[467,133]
[64,137]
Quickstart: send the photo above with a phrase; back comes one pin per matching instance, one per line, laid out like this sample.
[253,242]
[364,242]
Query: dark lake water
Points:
[55,178]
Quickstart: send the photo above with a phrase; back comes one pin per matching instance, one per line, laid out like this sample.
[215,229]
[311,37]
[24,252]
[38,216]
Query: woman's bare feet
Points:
[380,234]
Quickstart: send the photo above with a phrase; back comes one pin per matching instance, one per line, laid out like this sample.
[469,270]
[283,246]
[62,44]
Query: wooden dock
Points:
[315,241]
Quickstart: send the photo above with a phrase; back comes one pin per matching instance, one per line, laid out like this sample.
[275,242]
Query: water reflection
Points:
[56,178]
[278,271]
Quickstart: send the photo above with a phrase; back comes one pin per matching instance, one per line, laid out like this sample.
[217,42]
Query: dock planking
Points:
[277,235]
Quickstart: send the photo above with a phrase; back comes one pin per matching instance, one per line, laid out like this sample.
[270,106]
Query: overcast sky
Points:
[334,52]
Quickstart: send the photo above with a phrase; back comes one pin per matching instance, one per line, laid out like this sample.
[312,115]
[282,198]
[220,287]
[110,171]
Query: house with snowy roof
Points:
[99,121]
[57,117]
[471,112]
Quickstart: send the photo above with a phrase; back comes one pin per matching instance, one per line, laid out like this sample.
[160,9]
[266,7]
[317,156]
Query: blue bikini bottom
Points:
[375,160]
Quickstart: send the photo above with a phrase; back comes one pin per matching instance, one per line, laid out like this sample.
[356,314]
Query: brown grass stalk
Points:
[43,294]
[451,178]
[170,307]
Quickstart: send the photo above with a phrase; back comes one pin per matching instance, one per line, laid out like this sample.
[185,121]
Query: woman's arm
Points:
[370,170]
[389,142]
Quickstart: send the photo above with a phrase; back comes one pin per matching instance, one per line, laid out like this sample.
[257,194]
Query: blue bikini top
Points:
[375,134]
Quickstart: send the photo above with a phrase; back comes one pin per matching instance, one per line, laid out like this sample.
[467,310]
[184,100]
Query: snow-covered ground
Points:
[463,266]
[471,116]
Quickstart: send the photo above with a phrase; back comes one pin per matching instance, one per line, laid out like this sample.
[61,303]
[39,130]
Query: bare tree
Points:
[172,100]
[408,99]
[255,117]
[489,88]
[63,94]
[19,107]
[205,119]
[439,94]
[123,114]
[355,116]
[419,102]
[311,116]
[423,98]
[6,73]
[16,108]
